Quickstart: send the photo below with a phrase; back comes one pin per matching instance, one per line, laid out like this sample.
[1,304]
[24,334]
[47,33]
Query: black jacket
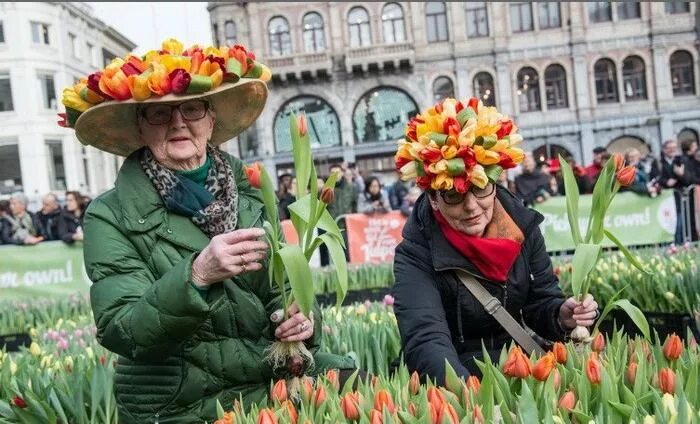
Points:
[48,225]
[440,319]
[68,225]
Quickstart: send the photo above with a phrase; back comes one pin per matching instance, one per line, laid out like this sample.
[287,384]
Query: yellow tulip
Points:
[442,182]
[486,157]
[34,349]
[173,46]
[73,100]
[172,62]
[500,145]
[516,154]
[46,361]
[448,152]
[138,85]
[478,176]
[439,167]
[13,367]
[89,352]
[409,171]
[468,134]
[449,108]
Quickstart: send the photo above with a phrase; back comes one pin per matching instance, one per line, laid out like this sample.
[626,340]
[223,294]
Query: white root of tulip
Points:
[279,354]
[581,334]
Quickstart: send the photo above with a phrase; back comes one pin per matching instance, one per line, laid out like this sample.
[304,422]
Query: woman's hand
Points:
[574,313]
[297,328]
[228,255]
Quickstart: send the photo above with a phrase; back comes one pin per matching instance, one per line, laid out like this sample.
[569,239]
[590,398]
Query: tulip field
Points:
[64,376]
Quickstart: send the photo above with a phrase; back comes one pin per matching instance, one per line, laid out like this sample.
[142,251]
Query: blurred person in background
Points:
[594,168]
[23,224]
[409,201]
[397,192]
[48,218]
[5,226]
[583,181]
[70,224]
[345,193]
[667,164]
[642,183]
[688,173]
[373,199]
[285,195]
[532,184]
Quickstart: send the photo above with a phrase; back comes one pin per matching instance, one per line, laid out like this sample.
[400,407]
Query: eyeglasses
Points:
[161,114]
[453,197]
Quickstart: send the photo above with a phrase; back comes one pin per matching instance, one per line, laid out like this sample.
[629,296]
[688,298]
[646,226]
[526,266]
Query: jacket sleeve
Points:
[364,205]
[137,315]
[64,233]
[425,336]
[544,300]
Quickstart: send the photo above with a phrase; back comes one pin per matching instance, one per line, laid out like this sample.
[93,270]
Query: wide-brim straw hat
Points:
[112,126]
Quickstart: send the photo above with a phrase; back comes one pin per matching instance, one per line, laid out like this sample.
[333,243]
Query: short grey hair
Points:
[20,197]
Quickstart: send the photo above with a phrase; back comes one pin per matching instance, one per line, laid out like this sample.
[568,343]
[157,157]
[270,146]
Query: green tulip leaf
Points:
[299,273]
[584,260]
[572,196]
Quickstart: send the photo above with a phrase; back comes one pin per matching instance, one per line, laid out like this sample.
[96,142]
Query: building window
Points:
[2,33]
[358,25]
[555,87]
[599,11]
[230,33]
[605,81]
[107,57]
[248,145]
[393,24]
[673,7]
[5,93]
[443,88]
[322,120]
[520,17]
[215,31]
[483,88]
[92,54]
[10,169]
[529,90]
[314,37]
[48,91]
[280,40]
[477,19]
[628,10]
[436,21]
[634,78]
[74,47]
[57,172]
[40,33]
[549,14]
[682,75]
[381,114]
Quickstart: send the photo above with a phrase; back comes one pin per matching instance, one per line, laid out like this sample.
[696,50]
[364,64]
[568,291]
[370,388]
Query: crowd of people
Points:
[19,226]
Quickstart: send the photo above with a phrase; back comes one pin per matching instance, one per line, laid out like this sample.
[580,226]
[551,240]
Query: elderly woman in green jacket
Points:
[180,289]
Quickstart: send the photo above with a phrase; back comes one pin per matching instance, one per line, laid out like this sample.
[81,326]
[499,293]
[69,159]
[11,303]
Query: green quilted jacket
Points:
[179,350]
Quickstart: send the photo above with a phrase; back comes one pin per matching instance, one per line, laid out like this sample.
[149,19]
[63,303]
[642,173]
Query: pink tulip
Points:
[388,300]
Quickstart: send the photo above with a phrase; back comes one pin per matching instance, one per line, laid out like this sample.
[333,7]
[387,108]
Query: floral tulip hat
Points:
[103,107]
[454,145]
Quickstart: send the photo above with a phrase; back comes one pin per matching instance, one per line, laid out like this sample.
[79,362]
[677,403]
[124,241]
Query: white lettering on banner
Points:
[49,276]
[8,280]
[560,222]
[379,243]
[633,219]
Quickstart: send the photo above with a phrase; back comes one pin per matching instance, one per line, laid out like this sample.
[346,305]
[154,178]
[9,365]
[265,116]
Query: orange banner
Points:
[373,238]
[290,234]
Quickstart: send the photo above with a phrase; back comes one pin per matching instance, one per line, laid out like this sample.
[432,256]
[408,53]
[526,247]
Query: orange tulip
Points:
[320,396]
[673,347]
[568,401]
[593,368]
[302,125]
[350,405]
[598,344]
[383,399]
[544,366]
[560,352]
[158,80]
[517,364]
[631,372]
[332,376]
[114,82]
[626,176]
[228,418]
[291,411]
[667,380]
[307,389]
[477,416]
[447,414]
[376,417]
[414,383]
[473,383]
[435,398]
[412,409]
[619,161]
[556,380]
[267,416]
[279,391]
[253,173]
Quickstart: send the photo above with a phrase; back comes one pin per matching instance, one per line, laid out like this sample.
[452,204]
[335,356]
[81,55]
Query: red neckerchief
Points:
[494,253]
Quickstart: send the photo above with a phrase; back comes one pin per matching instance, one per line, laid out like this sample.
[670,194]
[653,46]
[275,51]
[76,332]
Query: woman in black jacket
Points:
[464,221]
[70,225]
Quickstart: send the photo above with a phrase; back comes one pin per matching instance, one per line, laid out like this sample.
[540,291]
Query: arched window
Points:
[323,123]
[605,81]
[687,134]
[436,21]
[443,88]
[358,25]
[555,87]
[392,23]
[248,143]
[682,75]
[483,88]
[230,33]
[314,38]
[634,78]
[550,151]
[280,40]
[381,114]
[623,143]
[528,90]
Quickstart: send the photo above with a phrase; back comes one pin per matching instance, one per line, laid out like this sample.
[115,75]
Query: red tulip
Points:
[327,195]
[477,416]
[593,368]
[414,383]
[673,347]
[376,417]
[291,411]
[473,383]
[447,414]
[667,380]
[544,366]
[19,402]
[383,399]
[267,416]
[626,176]
[279,391]
[631,372]
[332,376]
[179,80]
[517,364]
[560,352]
[598,344]
[568,401]
[253,173]
[350,405]
[320,396]
[301,124]
[619,161]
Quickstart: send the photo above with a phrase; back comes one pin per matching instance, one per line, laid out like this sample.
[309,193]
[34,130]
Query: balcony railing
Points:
[296,64]
[379,55]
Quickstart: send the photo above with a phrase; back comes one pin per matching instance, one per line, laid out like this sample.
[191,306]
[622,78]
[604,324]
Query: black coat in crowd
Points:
[48,225]
[68,225]
[440,319]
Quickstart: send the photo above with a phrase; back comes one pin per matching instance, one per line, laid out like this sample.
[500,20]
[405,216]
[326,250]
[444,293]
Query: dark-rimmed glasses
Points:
[453,197]
[162,113]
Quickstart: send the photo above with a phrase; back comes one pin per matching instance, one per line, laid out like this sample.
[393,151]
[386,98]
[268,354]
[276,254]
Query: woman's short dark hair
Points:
[78,198]
[687,144]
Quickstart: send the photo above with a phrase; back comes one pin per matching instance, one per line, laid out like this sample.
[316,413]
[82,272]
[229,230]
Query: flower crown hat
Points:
[103,107]
[454,145]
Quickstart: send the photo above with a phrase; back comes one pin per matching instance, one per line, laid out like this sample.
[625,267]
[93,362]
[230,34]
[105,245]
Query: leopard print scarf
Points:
[220,215]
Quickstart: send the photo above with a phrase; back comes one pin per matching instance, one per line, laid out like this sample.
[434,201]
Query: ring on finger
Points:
[243,266]
[303,326]
[243,261]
